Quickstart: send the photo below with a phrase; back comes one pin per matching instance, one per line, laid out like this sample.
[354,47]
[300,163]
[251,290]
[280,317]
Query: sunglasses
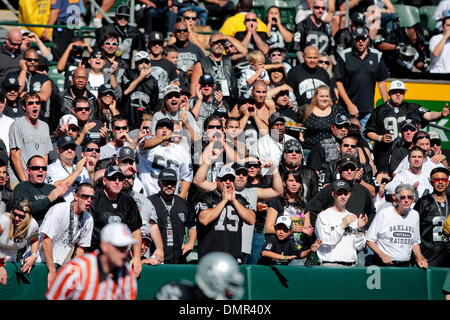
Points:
[37,168]
[409,128]
[36,102]
[346,145]
[253,165]
[385,180]
[143,61]
[435,143]
[214,127]
[86,196]
[70,146]
[406,197]
[172,95]
[93,149]
[341,126]
[324,62]
[145,128]
[115,178]
[79,109]
[109,43]
[181,30]
[190,18]
[20,216]
[97,57]
[242,173]
[122,18]
[251,20]
[74,129]
[342,192]
[118,128]
[292,151]
[317,8]
[205,84]
[169,183]
[15,44]
[275,55]
[128,161]
[346,168]
[360,39]
[437,180]
[31,60]
[12,89]
[130,176]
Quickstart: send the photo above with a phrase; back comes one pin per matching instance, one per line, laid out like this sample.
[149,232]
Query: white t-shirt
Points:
[5,123]
[173,156]
[394,234]
[251,195]
[338,245]
[57,171]
[56,226]
[271,150]
[428,165]
[440,64]
[410,178]
[8,246]
[250,72]
[95,81]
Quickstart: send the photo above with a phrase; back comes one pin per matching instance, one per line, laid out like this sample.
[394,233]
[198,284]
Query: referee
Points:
[100,275]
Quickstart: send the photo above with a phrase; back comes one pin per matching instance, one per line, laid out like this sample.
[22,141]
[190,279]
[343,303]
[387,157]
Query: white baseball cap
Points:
[70,118]
[118,234]
[284,220]
[397,85]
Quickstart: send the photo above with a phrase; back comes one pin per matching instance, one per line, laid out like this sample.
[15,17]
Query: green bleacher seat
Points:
[259,9]
[426,15]
[56,77]
[288,10]
[408,15]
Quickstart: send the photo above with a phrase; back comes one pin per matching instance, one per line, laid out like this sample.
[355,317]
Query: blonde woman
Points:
[318,117]
[17,228]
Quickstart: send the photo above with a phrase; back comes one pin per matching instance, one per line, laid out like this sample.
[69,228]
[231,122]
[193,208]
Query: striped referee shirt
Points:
[83,279]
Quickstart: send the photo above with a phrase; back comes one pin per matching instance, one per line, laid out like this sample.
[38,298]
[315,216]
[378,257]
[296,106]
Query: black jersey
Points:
[307,33]
[124,209]
[180,290]
[164,72]
[223,234]
[343,39]
[435,245]
[285,247]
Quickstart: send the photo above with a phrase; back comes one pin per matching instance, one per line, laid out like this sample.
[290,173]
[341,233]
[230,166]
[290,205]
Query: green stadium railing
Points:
[269,282]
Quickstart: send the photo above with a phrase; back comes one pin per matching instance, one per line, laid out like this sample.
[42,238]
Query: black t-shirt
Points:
[307,33]
[304,80]
[359,76]
[223,234]
[435,245]
[164,72]
[360,201]
[240,35]
[103,210]
[285,247]
[310,179]
[343,40]
[188,56]
[143,99]
[15,111]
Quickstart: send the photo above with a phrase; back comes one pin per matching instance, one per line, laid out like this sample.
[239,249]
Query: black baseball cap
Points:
[106,88]
[206,79]
[164,122]
[167,175]
[126,153]
[65,141]
[274,117]
[237,166]
[112,170]
[440,169]
[123,10]
[10,82]
[358,18]
[360,32]
[347,159]
[155,36]
[341,185]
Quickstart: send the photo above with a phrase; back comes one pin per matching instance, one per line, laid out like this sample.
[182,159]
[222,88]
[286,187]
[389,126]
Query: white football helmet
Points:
[219,277]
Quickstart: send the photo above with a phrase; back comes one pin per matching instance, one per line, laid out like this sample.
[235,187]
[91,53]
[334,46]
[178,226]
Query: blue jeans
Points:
[257,246]
[202,14]
[388,20]
[151,13]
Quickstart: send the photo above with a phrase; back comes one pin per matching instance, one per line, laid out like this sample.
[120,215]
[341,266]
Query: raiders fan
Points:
[433,211]
[221,214]
[313,31]
[217,278]
[140,91]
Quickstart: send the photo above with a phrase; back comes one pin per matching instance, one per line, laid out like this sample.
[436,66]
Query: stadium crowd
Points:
[203,143]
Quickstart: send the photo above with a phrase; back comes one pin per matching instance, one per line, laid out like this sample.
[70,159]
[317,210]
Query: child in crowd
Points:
[256,70]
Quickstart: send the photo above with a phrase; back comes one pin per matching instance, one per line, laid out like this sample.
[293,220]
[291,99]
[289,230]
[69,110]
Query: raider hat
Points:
[167,175]
[284,220]
[206,79]
[347,159]
[360,32]
[113,170]
[10,82]
[276,116]
[68,119]
[164,122]
[65,141]
[341,119]
[155,36]
[23,205]
[237,166]
[106,88]
[171,88]
[341,185]
[123,10]
[141,55]
[358,18]
[126,153]
[226,171]
[397,85]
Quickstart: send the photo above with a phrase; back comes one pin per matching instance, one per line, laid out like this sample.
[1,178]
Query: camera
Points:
[251,109]
[78,49]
